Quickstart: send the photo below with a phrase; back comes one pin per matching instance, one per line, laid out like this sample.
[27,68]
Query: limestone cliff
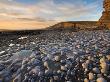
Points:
[75,25]
[105,18]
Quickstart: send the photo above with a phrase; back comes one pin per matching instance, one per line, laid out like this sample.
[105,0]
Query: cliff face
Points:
[105,18]
[75,25]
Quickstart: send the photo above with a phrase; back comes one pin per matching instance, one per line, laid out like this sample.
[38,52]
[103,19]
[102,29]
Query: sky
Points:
[37,14]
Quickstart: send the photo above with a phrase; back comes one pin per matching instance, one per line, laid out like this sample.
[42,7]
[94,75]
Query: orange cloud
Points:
[14,15]
[21,25]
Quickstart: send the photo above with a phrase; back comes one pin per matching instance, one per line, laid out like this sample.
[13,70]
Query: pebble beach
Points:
[56,56]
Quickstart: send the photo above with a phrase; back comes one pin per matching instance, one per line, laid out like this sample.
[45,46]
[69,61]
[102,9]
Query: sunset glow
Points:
[37,14]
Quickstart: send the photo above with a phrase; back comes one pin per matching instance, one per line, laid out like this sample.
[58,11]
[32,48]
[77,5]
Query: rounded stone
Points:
[57,58]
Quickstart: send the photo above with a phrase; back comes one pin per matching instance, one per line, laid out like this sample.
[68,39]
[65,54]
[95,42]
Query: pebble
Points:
[57,57]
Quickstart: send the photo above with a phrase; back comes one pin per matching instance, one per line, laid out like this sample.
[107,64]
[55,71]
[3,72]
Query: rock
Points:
[21,54]
[91,76]
[88,61]
[104,65]
[2,52]
[104,71]
[51,80]
[17,78]
[10,45]
[48,72]
[101,79]
[108,57]
[25,53]
[1,80]
[2,67]
[40,74]
[86,80]
[46,64]
[57,58]
[63,68]
[104,21]
[85,65]
[56,78]
[21,38]
[102,60]
[36,70]
[6,62]
[89,57]
[96,70]
[50,61]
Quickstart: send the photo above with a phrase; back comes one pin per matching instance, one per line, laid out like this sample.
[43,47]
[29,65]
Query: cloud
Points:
[46,11]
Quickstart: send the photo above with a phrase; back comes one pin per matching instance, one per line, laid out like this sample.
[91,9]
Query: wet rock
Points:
[101,79]
[57,58]
[2,67]
[96,70]
[91,76]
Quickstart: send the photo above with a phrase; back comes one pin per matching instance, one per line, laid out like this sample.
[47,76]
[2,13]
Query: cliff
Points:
[81,25]
[105,18]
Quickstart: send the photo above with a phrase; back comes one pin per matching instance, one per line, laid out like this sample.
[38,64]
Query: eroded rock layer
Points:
[105,18]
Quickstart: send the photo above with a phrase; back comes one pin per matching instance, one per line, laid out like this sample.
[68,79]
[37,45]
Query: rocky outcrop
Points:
[105,18]
[75,25]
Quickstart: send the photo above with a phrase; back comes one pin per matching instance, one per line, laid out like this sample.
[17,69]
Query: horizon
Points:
[39,14]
